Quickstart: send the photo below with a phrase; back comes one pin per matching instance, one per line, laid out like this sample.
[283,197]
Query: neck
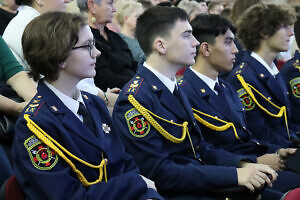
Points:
[159,63]
[266,53]
[9,9]
[66,85]
[129,32]
[204,67]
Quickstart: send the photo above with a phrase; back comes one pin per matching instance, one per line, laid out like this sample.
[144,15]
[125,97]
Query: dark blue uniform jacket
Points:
[262,125]
[44,175]
[226,107]
[173,167]
[291,74]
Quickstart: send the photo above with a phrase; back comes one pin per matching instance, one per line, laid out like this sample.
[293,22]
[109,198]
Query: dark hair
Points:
[206,27]
[24,2]
[297,30]
[47,41]
[157,21]
[240,6]
[263,20]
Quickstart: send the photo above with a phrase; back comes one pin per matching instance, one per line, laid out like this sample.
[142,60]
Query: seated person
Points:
[216,104]
[12,73]
[116,66]
[127,14]
[260,87]
[157,124]
[65,144]
[291,74]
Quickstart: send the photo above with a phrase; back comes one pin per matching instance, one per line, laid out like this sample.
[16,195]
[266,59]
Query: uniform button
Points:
[195,124]
[197,147]
[258,143]
[244,128]
[287,93]
[269,98]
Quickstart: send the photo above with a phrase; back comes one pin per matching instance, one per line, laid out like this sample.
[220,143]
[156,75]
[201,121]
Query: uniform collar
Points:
[210,82]
[272,69]
[70,103]
[170,84]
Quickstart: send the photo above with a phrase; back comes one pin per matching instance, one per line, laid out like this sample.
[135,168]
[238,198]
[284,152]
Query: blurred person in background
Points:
[127,15]
[8,10]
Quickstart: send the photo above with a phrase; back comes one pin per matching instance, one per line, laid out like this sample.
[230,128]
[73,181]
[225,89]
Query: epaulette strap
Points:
[282,110]
[147,114]
[214,127]
[53,144]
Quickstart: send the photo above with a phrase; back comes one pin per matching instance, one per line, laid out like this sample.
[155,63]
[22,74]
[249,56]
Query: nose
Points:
[235,50]
[113,8]
[96,53]
[291,30]
[195,42]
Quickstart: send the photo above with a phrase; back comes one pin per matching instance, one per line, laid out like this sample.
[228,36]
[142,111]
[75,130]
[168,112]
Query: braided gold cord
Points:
[212,126]
[53,144]
[282,110]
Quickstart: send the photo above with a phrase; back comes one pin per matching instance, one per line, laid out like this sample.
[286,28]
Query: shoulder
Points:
[137,86]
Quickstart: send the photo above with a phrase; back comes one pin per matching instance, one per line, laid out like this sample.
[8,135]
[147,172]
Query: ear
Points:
[160,45]
[91,6]
[204,49]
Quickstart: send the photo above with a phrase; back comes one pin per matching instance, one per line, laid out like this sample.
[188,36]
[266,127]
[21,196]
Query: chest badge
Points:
[106,128]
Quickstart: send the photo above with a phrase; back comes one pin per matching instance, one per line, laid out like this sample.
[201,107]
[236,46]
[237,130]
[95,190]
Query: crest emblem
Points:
[295,87]
[246,99]
[42,157]
[137,124]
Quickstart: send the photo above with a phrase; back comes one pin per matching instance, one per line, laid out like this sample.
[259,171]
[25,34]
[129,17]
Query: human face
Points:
[217,9]
[55,5]
[131,19]
[104,11]
[222,52]
[280,41]
[203,7]
[80,64]
[181,45]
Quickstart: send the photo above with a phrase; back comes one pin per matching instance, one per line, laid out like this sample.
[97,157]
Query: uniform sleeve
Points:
[169,172]
[55,180]
[8,63]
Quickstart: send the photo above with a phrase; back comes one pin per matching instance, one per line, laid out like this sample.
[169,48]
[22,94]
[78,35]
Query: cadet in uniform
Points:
[157,124]
[216,104]
[65,144]
[259,85]
[291,74]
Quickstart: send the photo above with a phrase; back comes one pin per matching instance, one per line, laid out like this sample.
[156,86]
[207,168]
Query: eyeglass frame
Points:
[90,45]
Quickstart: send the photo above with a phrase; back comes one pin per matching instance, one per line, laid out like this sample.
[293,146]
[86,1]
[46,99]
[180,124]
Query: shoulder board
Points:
[241,68]
[296,64]
[134,85]
[34,105]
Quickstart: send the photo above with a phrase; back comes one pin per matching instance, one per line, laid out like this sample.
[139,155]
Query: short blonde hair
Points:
[189,6]
[126,9]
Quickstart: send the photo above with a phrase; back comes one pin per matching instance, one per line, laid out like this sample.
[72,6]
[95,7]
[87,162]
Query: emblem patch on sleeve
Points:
[295,87]
[42,157]
[246,99]
[137,124]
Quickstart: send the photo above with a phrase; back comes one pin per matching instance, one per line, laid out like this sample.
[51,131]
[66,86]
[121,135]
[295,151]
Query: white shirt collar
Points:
[272,69]
[170,84]
[71,103]
[210,82]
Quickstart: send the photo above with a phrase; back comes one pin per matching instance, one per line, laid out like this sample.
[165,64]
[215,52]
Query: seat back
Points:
[11,190]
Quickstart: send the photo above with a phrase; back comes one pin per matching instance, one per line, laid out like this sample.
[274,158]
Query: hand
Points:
[283,153]
[150,184]
[271,160]
[20,107]
[112,96]
[254,176]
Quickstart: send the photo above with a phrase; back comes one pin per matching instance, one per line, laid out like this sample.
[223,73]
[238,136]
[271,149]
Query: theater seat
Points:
[293,194]
[11,190]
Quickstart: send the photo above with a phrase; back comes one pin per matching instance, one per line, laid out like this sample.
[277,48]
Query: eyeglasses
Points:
[90,45]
